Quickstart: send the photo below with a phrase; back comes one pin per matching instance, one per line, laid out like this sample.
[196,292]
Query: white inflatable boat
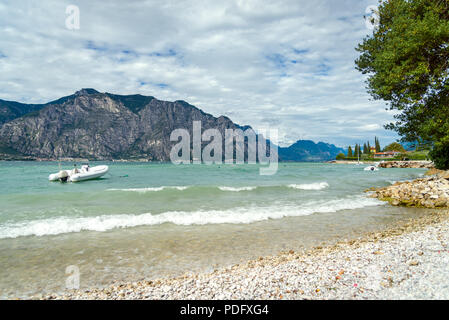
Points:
[75,175]
[371,168]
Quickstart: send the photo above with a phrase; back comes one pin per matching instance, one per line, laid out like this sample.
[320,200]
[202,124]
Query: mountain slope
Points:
[97,125]
[10,110]
[309,151]
[94,125]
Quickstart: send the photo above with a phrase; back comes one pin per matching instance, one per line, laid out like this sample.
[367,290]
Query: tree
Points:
[341,156]
[377,144]
[395,146]
[440,156]
[407,63]
[357,151]
[349,152]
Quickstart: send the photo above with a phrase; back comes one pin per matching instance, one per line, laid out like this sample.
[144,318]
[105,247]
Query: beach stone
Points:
[407,164]
[445,175]
[429,192]
[404,262]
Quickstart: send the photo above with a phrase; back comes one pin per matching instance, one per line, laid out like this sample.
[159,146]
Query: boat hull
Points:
[92,173]
[56,176]
[371,168]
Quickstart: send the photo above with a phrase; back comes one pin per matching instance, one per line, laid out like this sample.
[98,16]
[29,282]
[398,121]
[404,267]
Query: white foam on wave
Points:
[242,215]
[151,189]
[310,186]
[232,189]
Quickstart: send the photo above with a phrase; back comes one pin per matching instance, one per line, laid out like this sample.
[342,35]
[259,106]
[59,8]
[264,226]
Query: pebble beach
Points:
[407,261]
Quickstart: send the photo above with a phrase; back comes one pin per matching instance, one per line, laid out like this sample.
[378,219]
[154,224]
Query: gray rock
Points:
[103,126]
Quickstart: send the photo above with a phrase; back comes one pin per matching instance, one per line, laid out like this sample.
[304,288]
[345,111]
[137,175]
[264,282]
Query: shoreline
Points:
[378,265]
[417,164]
[432,191]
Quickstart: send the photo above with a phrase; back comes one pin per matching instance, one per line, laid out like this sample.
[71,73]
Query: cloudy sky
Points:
[288,65]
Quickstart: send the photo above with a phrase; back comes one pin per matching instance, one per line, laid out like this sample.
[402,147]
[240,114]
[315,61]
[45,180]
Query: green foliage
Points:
[440,155]
[349,152]
[341,156]
[424,146]
[377,144]
[406,59]
[365,157]
[415,155]
[395,146]
[357,151]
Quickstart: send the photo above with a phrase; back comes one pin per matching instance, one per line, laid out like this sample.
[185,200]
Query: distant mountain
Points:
[309,151]
[10,110]
[94,125]
[409,146]
[103,126]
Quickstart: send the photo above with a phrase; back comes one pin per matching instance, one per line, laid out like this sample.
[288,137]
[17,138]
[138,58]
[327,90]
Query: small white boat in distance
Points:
[75,175]
[371,168]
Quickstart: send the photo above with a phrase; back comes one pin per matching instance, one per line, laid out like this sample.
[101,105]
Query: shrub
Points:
[440,155]
[341,156]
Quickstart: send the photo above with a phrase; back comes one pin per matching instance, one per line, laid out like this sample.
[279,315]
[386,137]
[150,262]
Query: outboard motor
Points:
[63,176]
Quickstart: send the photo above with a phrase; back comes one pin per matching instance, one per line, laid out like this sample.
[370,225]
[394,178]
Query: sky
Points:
[285,65]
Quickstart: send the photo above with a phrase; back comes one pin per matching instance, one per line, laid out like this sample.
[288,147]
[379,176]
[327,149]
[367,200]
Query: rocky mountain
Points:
[10,110]
[309,151]
[104,126]
[94,125]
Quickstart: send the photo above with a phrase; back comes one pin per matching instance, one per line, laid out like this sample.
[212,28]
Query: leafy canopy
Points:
[394,147]
[407,63]
[340,156]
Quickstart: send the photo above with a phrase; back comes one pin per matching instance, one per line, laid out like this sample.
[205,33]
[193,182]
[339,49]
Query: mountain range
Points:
[105,126]
[309,151]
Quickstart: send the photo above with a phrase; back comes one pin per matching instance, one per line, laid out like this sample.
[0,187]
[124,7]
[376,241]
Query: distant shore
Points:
[72,159]
[383,164]
[351,162]
[406,261]
[389,163]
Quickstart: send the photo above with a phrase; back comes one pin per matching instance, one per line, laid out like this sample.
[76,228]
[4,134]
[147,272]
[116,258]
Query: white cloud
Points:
[288,64]
[370,127]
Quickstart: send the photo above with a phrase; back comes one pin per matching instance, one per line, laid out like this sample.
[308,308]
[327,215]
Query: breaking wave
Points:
[151,189]
[241,215]
[310,186]
[232,189]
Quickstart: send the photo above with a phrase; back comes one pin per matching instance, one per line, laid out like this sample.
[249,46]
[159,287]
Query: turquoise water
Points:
[145,219]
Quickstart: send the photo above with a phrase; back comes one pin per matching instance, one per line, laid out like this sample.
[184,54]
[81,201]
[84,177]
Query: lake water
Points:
[145,220]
